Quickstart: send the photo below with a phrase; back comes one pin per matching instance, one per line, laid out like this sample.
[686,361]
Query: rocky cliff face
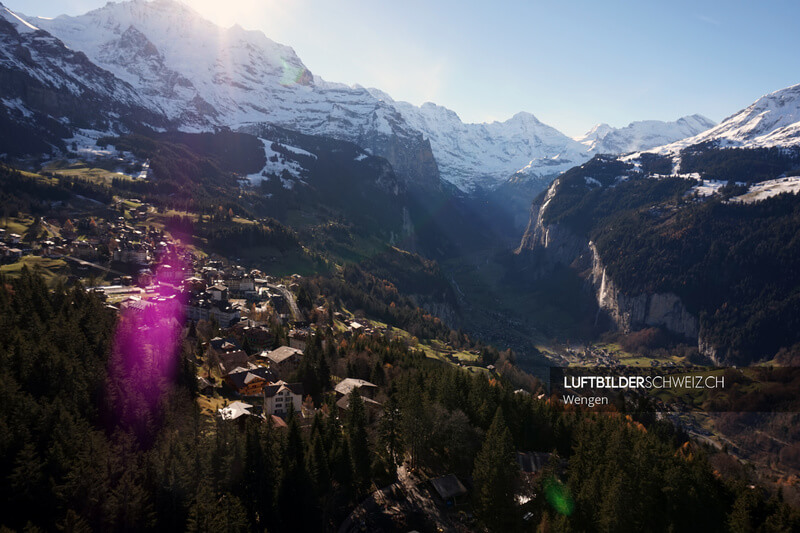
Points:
[46,87]
[631,312]
[557,243]
[560,245]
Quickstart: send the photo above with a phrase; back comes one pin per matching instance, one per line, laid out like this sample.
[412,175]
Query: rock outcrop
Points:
[632,312]
[559,244]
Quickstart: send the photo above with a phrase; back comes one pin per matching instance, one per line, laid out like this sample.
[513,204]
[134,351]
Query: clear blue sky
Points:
[572,64]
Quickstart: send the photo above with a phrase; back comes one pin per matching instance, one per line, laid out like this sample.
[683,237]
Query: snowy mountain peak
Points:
[642,135]
[524,117]
[199,76]
[597,132]
[19,23]
[772,120]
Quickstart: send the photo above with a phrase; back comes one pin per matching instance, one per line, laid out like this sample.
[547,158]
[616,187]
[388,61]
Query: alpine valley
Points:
[341,240]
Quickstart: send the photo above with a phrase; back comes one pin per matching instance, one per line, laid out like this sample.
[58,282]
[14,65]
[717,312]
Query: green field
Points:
[51,269]
[83,171]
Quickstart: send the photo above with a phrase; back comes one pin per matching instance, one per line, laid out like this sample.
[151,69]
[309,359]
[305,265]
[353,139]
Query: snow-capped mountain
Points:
[772,120]
[201,76]
[642,135]
[46,87]
[197,76]
[597,132]
[472,155]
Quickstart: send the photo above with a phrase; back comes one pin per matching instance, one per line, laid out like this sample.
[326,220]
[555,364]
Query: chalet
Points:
[194,284]
[343,404]
[228,352]
[48,248]
[279,396]
[235,410]
[204,386]
[232,360]
[219,346]
[170,274]
[284,359]
[448,488]
[258,337]
[218,292]
[365,388]
[250,381]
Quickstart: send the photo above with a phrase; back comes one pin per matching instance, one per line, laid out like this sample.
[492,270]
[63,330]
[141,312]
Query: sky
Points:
[571,63]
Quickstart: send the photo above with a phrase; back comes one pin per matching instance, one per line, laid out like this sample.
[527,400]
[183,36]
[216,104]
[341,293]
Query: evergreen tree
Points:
[495,476]
[357,437]
[389,429]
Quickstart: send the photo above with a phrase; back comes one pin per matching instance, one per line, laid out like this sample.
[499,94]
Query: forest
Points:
[734,265]
[85,447]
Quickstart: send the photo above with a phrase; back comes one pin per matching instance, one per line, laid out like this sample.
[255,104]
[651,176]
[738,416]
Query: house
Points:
[231,360]
[279,396]
[218,292]
[220,346]
[83,250]
[244,285]
[365,388]
[250,381]
[343,404]
[258,337]
[136,305]
[204,386]
[298,338]
[235,410]
[228,352]
[448,488]
[202,308]
[285,359]
[131,253]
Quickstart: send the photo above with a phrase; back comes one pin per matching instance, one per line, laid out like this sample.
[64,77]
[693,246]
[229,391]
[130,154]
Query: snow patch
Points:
[707,187]
[278,165]
[768,189]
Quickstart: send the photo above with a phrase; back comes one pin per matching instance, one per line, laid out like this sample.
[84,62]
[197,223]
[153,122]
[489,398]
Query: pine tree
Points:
[389,429]
[357,436]
[495,475]
[318,469]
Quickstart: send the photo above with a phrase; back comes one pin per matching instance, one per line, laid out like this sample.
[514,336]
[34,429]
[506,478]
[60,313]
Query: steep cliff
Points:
[631,312]
[555,242]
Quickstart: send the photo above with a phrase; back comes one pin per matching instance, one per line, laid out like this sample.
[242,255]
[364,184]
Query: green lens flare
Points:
[291,74]
[558,496]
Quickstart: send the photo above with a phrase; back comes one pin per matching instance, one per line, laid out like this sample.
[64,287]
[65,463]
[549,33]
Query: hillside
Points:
[699,240]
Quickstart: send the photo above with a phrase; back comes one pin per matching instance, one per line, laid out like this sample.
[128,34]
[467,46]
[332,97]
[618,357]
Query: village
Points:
[249,329]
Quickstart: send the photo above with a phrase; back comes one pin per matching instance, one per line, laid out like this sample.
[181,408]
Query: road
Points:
[93,265]
[289,298]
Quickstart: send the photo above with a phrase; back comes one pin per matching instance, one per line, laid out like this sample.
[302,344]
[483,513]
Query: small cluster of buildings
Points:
[9,246]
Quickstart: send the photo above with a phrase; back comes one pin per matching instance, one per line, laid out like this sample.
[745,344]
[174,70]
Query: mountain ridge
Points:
[201,76]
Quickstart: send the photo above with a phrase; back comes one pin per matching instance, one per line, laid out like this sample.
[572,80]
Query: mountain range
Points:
[178,70]
[697,236]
